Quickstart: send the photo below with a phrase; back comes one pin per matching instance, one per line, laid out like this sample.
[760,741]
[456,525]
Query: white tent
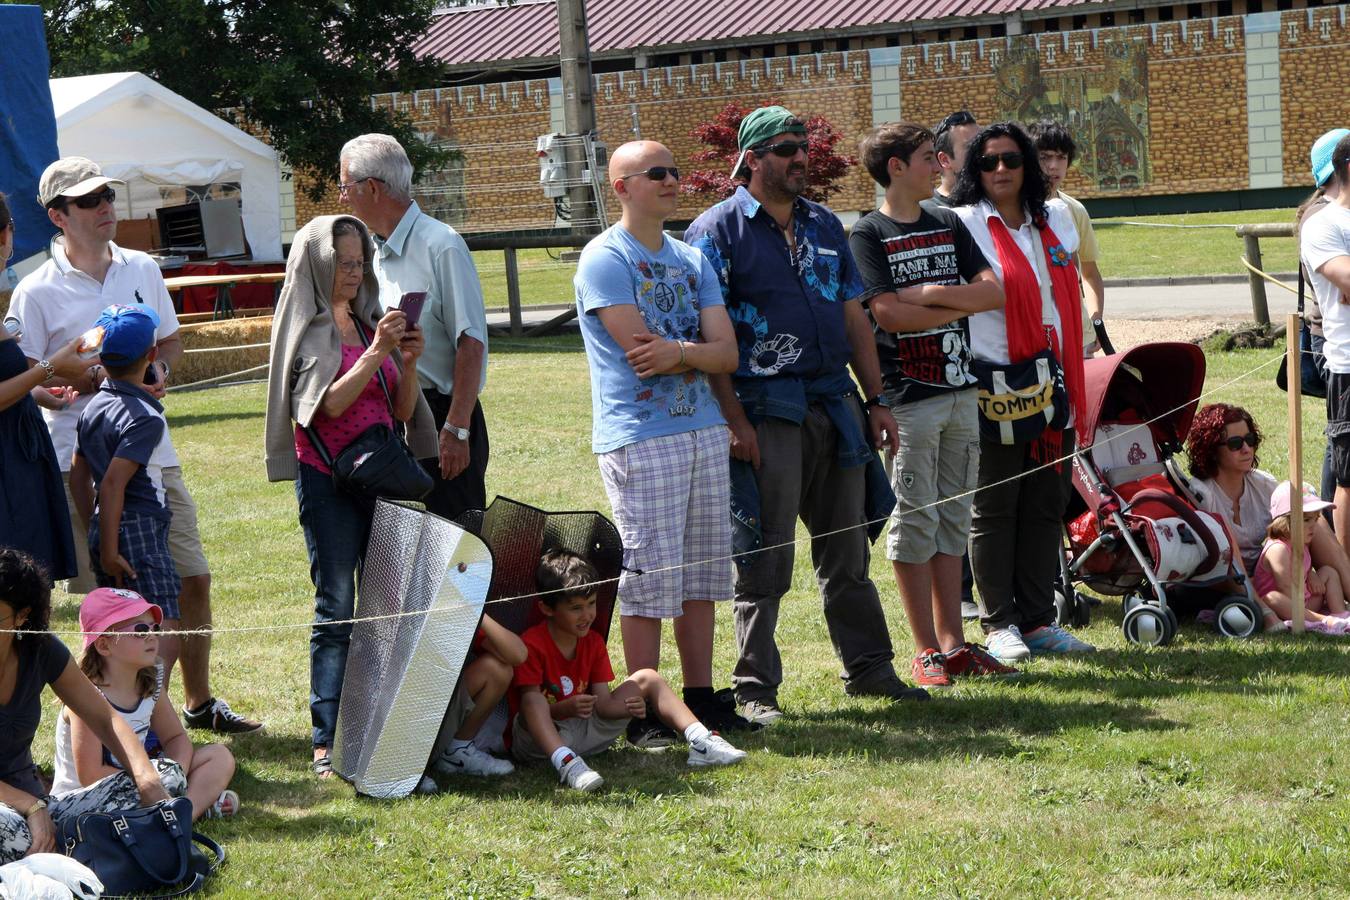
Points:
[147,135]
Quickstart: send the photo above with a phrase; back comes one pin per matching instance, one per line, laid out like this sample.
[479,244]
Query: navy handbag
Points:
[141,851]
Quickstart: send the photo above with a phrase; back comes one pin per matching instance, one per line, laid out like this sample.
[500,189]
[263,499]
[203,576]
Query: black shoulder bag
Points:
[1312,368]
[378,463]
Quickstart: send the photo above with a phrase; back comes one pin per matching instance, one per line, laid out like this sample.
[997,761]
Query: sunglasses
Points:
[141,628]
[955,120]
[655,173]
[92,201]
[785,149]
[1235,443]
[989,161]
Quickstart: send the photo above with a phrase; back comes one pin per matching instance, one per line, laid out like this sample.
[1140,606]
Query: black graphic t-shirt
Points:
[891,255]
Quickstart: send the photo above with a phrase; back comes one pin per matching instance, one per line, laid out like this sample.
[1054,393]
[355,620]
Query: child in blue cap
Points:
[122,443]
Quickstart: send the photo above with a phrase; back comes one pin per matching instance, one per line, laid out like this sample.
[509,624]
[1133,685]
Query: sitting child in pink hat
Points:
[1324,595]
[121,658]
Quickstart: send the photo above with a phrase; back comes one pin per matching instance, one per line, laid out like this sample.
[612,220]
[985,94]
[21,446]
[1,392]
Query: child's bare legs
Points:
[1335,590]
[539,722]
[212,769]
[486,679]
[1280,604]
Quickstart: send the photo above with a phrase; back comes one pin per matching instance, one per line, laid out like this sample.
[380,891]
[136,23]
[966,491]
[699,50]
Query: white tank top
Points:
[65,779]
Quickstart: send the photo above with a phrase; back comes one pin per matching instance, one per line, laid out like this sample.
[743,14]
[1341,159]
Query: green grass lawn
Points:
[1128,251]
[1208,768]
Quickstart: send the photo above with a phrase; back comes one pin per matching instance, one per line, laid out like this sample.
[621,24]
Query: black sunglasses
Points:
[655,173]
[90,201]
[1235,442]
[954,120]
[989,161]
[785,149]
[140,628]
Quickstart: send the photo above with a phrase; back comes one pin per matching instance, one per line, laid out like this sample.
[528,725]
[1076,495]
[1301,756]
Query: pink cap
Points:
[105,607]
[1279,501]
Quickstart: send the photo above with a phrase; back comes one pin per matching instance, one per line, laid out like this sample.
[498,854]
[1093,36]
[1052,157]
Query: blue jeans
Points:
[336,528]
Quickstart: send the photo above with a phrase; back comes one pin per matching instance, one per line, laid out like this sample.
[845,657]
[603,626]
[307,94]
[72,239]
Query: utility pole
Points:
[578,109]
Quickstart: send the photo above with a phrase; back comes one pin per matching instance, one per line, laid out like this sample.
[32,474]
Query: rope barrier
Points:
[1268,277]
[285,626]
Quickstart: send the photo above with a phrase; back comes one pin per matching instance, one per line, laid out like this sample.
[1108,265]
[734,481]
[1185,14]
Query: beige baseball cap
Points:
[72,176]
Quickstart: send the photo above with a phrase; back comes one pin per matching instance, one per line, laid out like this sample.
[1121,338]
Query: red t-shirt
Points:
[558,677]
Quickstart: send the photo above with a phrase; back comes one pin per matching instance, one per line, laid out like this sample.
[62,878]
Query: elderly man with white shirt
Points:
[418,253]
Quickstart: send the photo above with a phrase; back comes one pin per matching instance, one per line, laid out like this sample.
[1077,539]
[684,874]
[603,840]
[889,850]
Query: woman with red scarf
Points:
[1023,487]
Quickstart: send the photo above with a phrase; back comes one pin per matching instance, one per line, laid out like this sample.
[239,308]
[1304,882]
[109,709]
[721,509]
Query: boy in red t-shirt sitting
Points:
[563,705]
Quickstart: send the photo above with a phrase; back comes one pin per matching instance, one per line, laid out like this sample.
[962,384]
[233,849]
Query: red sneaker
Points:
[971,660]
[930,670]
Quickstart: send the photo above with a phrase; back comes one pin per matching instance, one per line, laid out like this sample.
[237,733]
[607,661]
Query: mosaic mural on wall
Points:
[1106,108]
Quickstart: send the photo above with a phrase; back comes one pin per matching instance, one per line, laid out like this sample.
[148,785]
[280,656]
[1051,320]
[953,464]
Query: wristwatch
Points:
[874,401]
[40,804]
[459,433]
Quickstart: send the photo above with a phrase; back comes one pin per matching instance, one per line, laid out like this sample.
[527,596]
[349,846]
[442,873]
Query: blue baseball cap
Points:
[128,332]
[1322,149]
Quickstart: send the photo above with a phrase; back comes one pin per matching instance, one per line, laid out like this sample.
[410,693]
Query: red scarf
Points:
[1028,335]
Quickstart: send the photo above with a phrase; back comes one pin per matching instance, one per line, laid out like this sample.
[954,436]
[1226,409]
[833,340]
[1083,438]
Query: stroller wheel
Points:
[1237,616]
[1082,610]
[1148,625]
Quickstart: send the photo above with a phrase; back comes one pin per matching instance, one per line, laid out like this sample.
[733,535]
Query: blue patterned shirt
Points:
[787,307]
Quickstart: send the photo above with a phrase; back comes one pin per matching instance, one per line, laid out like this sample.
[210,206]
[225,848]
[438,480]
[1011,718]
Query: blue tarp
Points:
[27,124]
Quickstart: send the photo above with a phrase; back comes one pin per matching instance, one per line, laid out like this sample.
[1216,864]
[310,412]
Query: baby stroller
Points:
[1134,528]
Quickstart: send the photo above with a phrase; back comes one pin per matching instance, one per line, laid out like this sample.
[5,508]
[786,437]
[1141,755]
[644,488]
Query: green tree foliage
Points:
[303,71]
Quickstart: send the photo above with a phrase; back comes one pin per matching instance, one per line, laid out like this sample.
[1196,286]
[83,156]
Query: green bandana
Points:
[763,123]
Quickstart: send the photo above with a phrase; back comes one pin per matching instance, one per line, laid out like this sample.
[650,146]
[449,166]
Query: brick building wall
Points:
[1163,108]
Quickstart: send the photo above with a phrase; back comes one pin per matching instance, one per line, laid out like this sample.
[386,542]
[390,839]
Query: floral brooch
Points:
[1058,255]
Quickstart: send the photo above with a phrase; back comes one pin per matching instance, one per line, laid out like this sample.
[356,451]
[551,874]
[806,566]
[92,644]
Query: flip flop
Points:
[322,766]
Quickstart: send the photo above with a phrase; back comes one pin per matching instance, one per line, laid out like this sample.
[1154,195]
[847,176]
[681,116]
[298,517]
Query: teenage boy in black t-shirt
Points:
[923,276]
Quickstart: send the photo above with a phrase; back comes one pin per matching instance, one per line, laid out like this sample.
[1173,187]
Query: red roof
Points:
[529,30]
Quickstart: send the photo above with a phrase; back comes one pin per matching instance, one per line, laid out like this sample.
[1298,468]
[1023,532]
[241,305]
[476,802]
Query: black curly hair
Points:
[24,585]
[970,190]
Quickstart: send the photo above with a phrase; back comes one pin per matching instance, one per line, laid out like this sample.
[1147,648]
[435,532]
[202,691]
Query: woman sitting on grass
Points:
[126,669]
[1324,599]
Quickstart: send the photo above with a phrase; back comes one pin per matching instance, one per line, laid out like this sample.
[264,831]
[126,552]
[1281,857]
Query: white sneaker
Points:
[470,760]
[715,751]
[1006,645]
[576,774]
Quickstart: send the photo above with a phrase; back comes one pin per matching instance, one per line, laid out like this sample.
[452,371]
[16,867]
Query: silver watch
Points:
[460,433]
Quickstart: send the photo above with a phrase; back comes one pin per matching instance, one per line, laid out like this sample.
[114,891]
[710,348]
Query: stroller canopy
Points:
[1157,380]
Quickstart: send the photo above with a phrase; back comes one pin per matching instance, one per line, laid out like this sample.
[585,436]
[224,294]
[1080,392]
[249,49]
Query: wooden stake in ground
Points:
[1293,328]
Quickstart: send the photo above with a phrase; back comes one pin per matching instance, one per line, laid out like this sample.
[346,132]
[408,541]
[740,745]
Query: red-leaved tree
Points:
[825,170]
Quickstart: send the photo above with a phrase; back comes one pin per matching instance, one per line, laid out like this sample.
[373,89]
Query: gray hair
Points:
[382,157]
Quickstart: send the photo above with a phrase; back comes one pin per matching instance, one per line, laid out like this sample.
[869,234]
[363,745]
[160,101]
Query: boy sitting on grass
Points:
[563,705]
[482,685]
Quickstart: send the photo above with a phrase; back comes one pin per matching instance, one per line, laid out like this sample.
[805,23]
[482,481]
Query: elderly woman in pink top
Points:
[331,347]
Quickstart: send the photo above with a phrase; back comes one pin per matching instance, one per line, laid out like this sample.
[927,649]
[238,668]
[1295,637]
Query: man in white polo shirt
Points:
[57,303]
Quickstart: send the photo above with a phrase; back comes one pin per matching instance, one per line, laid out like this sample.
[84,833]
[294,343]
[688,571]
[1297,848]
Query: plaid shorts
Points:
[672,504]
[143,542]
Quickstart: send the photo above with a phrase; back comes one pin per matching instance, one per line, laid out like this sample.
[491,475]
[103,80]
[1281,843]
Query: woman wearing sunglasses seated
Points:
[1222,446]
[31,658]
[1015,535]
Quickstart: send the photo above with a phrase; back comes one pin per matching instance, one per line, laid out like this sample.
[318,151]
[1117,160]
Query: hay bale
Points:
[225,333]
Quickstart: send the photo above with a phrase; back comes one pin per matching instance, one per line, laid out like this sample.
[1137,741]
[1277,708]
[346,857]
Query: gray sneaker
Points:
[763,712]
[579,776]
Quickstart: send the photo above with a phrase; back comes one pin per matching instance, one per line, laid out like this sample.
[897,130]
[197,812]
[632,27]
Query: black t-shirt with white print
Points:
[935,249]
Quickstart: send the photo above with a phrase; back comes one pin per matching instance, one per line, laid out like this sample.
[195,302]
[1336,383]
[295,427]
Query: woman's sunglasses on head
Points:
[1235,442]
[989,161]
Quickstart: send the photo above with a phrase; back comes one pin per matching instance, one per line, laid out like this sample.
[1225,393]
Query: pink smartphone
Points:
[411,304]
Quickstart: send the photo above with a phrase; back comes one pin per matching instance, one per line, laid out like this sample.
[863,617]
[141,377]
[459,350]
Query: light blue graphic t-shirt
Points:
[669,289]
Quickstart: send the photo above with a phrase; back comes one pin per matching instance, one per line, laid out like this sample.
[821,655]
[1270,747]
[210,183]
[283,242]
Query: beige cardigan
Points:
[306,350]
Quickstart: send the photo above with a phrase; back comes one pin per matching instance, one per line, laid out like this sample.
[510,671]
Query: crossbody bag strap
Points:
[399,428]
[1302,287]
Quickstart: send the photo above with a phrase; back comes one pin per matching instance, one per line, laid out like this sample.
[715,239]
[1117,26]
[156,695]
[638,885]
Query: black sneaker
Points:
[720,714]
[890,687]
[650,733]
[217,716]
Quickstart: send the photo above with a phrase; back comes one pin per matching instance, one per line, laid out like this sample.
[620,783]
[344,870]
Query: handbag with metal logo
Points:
[141,851]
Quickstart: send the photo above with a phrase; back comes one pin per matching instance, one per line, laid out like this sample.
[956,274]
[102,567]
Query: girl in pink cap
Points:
[121,658]
[1273,578]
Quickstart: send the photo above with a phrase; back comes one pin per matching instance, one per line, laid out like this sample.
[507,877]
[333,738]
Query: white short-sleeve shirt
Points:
[57,303]
[1324,236]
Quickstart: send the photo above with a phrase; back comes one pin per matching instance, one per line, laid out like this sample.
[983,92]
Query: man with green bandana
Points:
[802,441]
